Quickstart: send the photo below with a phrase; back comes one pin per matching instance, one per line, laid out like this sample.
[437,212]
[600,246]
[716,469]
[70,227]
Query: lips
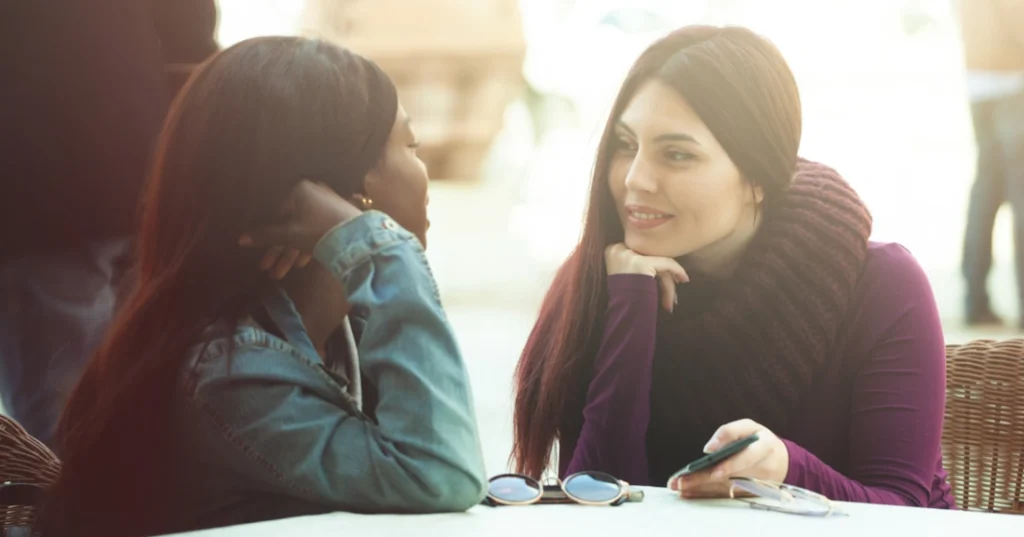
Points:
[643,217]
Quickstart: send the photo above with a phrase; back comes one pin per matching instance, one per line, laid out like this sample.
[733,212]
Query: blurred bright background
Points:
[884,100]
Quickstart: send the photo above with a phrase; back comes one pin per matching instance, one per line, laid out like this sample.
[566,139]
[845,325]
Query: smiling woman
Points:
[725,287]
[703,207]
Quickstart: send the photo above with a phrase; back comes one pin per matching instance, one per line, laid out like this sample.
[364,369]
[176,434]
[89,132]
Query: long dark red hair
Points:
[742,89]
[253,121]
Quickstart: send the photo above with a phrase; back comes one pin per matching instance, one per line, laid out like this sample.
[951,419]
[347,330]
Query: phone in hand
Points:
[716,457]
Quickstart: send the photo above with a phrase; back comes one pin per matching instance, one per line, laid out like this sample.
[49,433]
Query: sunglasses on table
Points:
[585,488]
[769,496]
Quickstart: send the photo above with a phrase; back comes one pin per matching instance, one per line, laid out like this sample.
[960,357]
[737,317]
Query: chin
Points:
[653,248]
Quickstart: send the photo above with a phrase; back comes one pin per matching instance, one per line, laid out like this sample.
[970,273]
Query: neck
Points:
[320,301]
[720,259]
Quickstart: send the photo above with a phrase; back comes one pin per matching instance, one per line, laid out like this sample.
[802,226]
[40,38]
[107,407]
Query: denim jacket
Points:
[267,429]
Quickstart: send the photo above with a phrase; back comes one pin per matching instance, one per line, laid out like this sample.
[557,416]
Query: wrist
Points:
[632,284]
[635,271]
[331,230]
[339,218]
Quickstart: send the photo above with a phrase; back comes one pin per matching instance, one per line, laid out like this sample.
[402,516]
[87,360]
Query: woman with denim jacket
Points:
[284,351]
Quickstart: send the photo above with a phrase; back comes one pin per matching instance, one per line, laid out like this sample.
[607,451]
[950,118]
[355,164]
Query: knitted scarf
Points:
[764,335]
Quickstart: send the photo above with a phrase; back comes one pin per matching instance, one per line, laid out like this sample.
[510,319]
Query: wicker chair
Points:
[983,438]
[27,468]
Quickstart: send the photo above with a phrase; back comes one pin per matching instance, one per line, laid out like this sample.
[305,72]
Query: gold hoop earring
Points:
[365,202]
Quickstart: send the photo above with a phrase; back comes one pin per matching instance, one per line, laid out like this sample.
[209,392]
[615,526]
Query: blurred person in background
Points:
[993,42]
[725,287]
[284,350]
[86,86]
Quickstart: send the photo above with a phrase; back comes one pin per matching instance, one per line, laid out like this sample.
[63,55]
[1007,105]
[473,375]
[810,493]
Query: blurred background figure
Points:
[86,85]
[456,63]
[993,40]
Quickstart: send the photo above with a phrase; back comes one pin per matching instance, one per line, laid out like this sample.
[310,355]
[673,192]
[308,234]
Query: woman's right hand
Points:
[309,213]
[618,259]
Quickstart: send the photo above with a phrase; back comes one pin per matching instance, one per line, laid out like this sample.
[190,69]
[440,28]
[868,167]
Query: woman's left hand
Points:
[310,212]
[766,459]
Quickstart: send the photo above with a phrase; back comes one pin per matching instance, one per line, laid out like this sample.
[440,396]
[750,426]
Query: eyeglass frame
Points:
[830,509]
[626,493]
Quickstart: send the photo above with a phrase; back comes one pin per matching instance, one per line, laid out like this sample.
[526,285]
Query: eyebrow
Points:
[668,137]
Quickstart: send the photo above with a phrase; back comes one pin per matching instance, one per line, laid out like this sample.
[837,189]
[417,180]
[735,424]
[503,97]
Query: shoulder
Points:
[893,298]
[892,275]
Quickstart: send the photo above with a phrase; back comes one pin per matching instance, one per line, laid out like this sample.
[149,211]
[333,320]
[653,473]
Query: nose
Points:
[640,177]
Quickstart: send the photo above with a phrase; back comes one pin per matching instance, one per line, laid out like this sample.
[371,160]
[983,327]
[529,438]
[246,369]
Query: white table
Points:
[661,513]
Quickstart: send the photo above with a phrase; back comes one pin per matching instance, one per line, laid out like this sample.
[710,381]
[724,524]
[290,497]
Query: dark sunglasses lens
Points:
[592,487]
[514,489]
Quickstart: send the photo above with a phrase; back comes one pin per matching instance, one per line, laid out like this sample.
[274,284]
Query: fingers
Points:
[742,463]
[619,259]
[269,236]
[669,274]
[285,263]
[693,482]
[731,432]
[283,234]
[279,261]
[270,258]
[668,291]
[716,478]
[671,266]
[716,489]
[757,460]
[701,485]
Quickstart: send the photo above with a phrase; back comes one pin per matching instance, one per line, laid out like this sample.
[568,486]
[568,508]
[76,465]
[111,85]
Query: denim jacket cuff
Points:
[353,242]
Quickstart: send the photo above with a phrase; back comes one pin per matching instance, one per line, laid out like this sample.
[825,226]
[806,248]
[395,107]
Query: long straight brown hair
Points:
[253,121]
[743,90]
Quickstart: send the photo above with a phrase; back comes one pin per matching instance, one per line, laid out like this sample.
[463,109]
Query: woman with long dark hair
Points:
[725,287]
[284,350]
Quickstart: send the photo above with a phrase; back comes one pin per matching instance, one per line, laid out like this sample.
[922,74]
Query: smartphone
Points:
[712,459]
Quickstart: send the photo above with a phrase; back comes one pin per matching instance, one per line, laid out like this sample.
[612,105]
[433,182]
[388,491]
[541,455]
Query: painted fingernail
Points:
[245,240]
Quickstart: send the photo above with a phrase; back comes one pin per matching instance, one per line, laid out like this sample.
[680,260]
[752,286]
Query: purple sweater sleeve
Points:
[898,393]
[617,410]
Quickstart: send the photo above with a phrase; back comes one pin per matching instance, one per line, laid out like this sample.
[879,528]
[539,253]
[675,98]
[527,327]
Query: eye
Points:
[676,155]
[414,145]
